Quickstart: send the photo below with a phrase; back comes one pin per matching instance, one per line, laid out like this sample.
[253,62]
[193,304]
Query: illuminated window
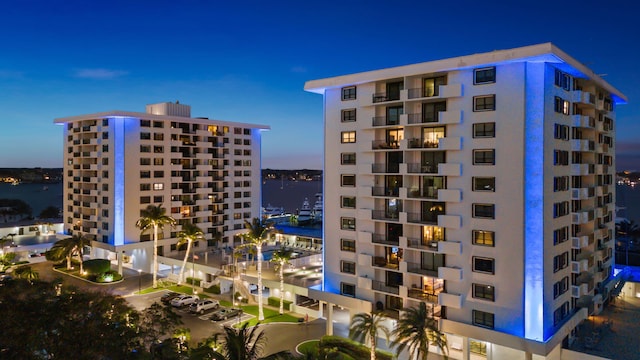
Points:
[158,186]
[348,245]
[483,237]
[348,223]
[348,137]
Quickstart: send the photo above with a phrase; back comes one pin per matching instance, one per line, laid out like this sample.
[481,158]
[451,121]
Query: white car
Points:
[184,300]
[204,305]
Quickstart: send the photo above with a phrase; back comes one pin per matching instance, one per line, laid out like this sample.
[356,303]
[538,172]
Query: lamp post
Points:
[239,312]
[139,281]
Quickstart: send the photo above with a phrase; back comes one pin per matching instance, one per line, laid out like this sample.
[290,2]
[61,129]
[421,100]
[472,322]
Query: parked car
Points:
[225,313]
[166,298]
[184,300]
[204,305]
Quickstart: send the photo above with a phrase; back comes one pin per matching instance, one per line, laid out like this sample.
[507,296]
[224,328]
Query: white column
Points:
[320,308]
[329,318]
[465,348]
[119,257]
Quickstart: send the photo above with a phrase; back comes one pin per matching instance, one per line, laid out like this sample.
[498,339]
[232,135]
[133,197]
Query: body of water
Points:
[289,194]
[628,197]
[38,196]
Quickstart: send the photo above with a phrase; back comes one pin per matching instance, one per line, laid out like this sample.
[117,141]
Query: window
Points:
[145,123]
[348,245]
[145,187]
[484,211]
[348,223]
[158,149]
[348,137]
[347,289]
[484,319]
[431,110]
[561,106]
[560,313]
[560,287]
[560,132]
[145,200]
[158,161]
[560,261]
[348,93]
[348,158]
[484,75]
[560,235]
[145,136]
[158,124]
[347,267]
[560,157]
[144,148]
[348,180]
[145,161]
[483,265]
[561,183]
[348,202]
[484,157]
[486,292]
[158,199]
[348,115]
[158,186]
[484,183]
[484,103]
[158,174]
[484,130]
[483,237]
[145,174]
[562,80]
[560,209]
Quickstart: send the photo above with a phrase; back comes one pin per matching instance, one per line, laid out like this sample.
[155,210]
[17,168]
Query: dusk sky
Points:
[247,61]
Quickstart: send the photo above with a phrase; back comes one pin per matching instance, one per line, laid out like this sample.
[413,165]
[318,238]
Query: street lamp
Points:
[139,281]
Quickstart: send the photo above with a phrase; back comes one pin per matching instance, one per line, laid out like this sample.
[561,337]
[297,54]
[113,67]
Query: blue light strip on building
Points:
[534,203]
[120,124]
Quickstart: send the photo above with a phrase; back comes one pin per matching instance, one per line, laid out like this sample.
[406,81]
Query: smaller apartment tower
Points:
[480,185]
[116,163]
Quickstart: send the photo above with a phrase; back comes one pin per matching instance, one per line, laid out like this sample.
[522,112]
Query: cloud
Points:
[299,69]
[99,74]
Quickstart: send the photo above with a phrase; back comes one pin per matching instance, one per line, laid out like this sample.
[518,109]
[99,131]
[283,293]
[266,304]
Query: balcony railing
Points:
[385,168]
[423,295]
[385,121]
[384,240]
[424,218]
[430,192]
[419,269]
[382,97]
[385,215]
[383,145]
[381,286]
[423,92]
[381,261]
[417,143]
[385,191]
[422,118]
[417,168]
[422,244]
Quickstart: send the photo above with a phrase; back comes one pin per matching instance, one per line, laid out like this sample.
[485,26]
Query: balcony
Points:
[579,242]
[584,97]
[578,291]
[384,145]
[381,286]
[583,193]
[450,273]
[444,143]
[385,191]
[444,91]
[382,168]
[416,268]
[579,266]
[385,215]
[582,145]
[382,262]
[450,247]
[430,192]
[584,121]
[430,245]
[385,121]
[423,295]
[384,240]
[450,300]
[424,218]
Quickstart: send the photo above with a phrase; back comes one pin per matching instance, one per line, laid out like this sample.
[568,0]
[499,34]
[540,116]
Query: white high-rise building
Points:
[116,163]
[482,185]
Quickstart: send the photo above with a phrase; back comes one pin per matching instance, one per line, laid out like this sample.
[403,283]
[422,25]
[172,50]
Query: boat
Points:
[15,182]
[317,209]
[270,211]
[304,214]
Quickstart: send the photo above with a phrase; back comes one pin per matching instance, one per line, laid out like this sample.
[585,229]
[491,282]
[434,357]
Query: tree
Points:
[78,242]
[26,272]
[244,344]
[365,327]
[188,235]
[50,212]
[258,232]
[415,330]
[281,258]
[154,217]
[66,248]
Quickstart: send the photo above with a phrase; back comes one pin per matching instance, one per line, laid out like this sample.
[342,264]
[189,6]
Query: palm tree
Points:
[415,330]
[189,234]
[365,327]
[258,232]
[154,217]
[281,258]
[244,344]
[66,248]
[78,242]
[26,272]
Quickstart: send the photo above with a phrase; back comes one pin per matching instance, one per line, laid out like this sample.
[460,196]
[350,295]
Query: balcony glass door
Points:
[393,90]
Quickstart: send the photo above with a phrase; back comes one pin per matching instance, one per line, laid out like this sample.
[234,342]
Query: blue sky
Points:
[247,61]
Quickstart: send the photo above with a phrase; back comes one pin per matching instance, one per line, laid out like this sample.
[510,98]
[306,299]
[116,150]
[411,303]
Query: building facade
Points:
[116,163]
[481,185]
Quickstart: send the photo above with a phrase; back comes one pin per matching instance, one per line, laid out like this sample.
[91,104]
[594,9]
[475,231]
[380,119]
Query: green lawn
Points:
[270,315]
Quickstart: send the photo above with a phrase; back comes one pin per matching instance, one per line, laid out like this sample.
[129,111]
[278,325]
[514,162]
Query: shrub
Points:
[213,289]
[349,347]
[97,266]
[194,281]
[109,276]
[275,302]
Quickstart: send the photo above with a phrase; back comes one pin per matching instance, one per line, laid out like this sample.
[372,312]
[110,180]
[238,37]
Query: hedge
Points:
[275,302]
[191,280]
[97,266]
[213,289]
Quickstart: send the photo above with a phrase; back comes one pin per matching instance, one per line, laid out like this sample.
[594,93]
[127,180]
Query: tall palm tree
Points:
[78,242]
[258,232]
[281,258]
[188,235]
[244,344]
[154,217]
[415,330]
[365,327]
